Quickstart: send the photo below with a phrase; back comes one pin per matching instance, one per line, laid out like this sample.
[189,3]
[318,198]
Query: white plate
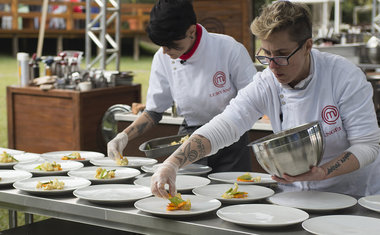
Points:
[231,177]
[132,162]
[342,224]
[371,202]
[112,193]
[183,182]
[216,191]
[313,200]
[262,215]
[71,183]
[65,165]
[121,174]
[192,169]
[11,151]
[21,158]
[57,155]
[157,206]
[11,176]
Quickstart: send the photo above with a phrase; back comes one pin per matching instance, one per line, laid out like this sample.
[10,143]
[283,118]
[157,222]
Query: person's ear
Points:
[192,31]
[309,45]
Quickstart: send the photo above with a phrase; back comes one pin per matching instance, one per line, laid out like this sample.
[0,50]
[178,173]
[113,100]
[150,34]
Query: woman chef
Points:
[300,85]
[200,71]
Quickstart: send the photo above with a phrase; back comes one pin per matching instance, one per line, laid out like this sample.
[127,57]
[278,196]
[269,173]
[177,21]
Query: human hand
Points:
[315,174]
[117,145]
[165,174]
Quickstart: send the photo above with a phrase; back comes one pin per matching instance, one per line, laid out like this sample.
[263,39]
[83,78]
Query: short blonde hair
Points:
[284,15]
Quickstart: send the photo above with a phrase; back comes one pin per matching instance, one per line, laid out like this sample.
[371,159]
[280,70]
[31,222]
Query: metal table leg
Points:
[12,218]
[28,218]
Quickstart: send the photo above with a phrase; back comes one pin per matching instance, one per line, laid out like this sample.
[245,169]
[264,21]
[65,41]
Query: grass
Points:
[9,76]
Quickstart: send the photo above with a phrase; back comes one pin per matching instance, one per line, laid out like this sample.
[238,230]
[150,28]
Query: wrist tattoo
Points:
[186,153]
[338,163]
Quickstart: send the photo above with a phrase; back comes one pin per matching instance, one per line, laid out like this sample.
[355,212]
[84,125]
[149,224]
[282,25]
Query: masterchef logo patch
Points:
[219,79]
[330,114]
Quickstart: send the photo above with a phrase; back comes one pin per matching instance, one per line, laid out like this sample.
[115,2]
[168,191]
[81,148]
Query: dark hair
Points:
[169,21]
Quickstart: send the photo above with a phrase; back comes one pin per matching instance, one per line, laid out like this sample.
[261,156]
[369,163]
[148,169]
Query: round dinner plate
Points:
[71,183]
[112,193]
[11,176]
[65,165]
[183,182]
[370,202]
[262,215]
[21,158]
[255,192]
[191,169]
[121,174]
[57,155]
[313,200]
[11,151]
[132,162]
[342,224]
[231,177]
[157,206]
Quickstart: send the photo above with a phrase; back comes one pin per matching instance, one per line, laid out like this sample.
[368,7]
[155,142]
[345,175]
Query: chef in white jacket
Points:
[300,85]
[199,71]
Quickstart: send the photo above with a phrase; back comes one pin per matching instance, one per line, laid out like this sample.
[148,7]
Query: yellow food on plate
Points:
[122,161]
[50,185]
[48,166]
[73,156]
[7,158]
[177,203]
[104,173]
[183,139]
[247,177]
[234,193]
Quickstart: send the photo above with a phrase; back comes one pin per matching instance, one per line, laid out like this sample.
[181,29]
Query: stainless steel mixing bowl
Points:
[291,151]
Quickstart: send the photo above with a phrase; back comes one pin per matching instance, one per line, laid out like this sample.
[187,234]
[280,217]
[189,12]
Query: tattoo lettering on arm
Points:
[338,163]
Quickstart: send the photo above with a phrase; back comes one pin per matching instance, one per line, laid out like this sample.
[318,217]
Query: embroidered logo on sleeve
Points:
[219,79]
[330,114]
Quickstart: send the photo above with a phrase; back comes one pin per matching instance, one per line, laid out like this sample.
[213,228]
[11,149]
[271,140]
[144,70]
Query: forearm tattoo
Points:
[192,151]
[141,127]
[339,163]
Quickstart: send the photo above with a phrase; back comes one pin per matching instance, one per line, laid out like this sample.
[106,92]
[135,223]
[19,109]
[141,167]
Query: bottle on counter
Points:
[35,66]
[23,68]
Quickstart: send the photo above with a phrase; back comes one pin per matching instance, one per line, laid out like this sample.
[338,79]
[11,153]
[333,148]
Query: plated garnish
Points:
[102,173]
[50,185]
[122,161]
[247,177]
[73,156]
[7,158]
[177,203]
[234,193]
[48,166]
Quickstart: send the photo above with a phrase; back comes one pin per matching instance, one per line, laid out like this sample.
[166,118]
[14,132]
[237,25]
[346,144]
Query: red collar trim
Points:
[195,46]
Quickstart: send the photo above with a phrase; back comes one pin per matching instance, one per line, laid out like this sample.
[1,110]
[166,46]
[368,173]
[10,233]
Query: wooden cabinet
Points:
[41,121]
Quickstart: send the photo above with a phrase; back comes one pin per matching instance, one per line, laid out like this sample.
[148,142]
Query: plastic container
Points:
[23,68]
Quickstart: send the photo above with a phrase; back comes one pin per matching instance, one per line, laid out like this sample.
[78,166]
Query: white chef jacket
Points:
[336,93]
[202,86]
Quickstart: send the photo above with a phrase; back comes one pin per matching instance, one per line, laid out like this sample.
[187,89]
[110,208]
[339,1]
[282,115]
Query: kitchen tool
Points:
[370,202]
[373,50]
[160,147]
[291,151]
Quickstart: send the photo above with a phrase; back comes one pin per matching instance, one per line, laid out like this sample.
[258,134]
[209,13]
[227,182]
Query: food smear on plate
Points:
[50,185]
[247,177]
[7,158]
[48,166]
[183,139]
[73,156]
[102,173]
[234,193]
[122,161]
[177,203]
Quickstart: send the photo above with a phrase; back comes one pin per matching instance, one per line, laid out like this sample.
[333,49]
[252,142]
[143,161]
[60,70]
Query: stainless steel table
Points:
[127,218]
